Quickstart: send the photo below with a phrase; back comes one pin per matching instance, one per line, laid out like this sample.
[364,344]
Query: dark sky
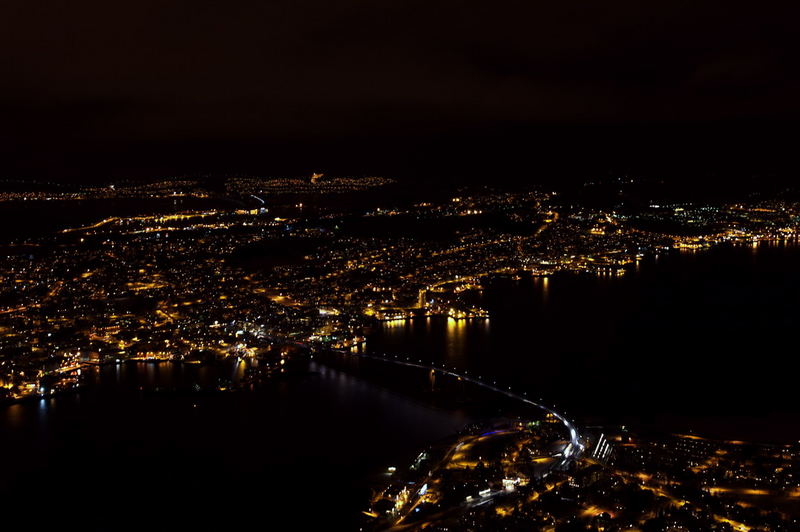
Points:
[432,87]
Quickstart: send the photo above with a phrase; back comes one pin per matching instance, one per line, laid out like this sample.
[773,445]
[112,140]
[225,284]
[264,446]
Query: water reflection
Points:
[679,318]
[456,339]
[178,446]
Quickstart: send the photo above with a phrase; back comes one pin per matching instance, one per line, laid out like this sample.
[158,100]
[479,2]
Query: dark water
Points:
[303,450]
[22,219]
[703,340]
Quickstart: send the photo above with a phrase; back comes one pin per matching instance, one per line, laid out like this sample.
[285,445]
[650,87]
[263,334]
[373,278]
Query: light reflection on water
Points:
[676,335]
[326,431]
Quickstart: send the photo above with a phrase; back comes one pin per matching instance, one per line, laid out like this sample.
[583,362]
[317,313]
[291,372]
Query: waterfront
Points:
[672,343]
[307,447]
[399,267]
[619,330]
[26,219]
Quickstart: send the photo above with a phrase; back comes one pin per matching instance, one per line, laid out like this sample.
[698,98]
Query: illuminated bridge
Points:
[573,448]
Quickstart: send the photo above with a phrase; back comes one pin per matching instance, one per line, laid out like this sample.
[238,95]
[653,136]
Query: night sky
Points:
[434,89]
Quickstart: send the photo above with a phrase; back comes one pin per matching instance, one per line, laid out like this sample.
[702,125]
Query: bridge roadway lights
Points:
[562,417]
